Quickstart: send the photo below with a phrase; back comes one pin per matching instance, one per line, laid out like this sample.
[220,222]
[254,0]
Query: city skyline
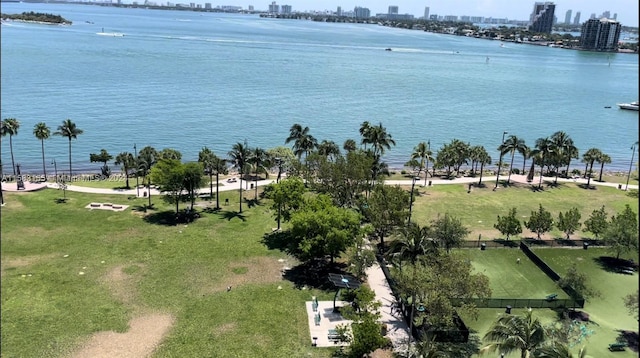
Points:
[627,10]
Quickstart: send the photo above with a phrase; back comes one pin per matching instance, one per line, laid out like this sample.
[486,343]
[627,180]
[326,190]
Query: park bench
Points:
[333,336]
[617,346]
[316,319]
[552,297]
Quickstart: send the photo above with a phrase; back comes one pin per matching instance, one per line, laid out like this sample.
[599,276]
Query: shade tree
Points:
[597,222]
[569,221]
[287,196]
[539,221]
[509,224]
[387,210]
[621,234]
[449,231]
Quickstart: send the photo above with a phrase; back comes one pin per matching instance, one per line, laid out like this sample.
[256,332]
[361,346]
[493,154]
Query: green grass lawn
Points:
[179,270]
[479,209]
[507,278]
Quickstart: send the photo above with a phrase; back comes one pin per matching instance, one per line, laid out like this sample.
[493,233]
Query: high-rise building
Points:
[567,17]
[615,16]
[593,15]
[250,7]
[285,9]
[207,5]
[542,17]
[362,12]
[576,20]
[274,8]
[393,9]
[339,11]
[426,13]
[600,35]
[606,14]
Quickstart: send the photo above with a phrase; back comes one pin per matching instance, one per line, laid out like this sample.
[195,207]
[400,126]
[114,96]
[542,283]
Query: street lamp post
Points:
[499,162]
[633,148]
[135,150]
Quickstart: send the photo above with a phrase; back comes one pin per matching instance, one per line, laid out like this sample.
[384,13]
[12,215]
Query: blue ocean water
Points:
[184,80]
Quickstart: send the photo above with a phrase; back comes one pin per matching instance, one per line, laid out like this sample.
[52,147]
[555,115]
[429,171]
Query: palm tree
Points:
[239,155]
[421,152]
[603,159]
[563,149]
[207,158]
[42,132]
[364,130]
[526,154]
[541,154]
[483,158]
[414,242]
[258,158]
[128,163]
[147,158]
[379,139]
[328,148]
[559,350]
[349,145]
[10,126]
[589,157]
[512,145]
[511,333]
[69,130]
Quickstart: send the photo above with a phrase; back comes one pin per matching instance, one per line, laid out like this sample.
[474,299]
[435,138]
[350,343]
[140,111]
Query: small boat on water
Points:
[634,106]
[387,49]
[112,34]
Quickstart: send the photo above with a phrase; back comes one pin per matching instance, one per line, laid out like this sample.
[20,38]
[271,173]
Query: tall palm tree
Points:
[379,139]
[603,159]
[10,126]
[483,158]
[207,158]
[512,145]
[563,149]
[512,333]
[128,163]
[349,145]
[541,154]
[328,148]
[147,158]
[589,157]
[364,130]
[69,130]
[526,154]
[258,159]
[421,152]
[42,132]
[414,242]
[239,155]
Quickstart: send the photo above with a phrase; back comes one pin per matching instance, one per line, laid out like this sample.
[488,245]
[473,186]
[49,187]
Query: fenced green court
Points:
[510,279]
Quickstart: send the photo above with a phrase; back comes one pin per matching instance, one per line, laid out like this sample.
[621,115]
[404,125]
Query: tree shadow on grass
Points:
[612,264]
[630,338]
[589,187]
[167,218]
[314,274]
[231,215]
[252,202]
[211,210]
[60,200]
[506,243]
[142,208]
[280,240]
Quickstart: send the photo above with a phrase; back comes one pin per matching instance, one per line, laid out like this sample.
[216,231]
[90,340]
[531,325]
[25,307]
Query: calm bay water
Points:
[184,80]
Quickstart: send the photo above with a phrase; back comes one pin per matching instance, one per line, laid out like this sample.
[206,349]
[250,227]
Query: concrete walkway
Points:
[397,329]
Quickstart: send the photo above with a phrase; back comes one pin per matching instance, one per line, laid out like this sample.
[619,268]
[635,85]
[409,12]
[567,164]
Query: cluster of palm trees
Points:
[68,129]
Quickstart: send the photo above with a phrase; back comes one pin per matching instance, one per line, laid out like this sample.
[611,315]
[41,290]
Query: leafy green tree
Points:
[622,232]
[319,229]
[569,222]
[512,333]
[287,196]
[239,157]
[168,174]
[539,222]
[512,145]
[42,132]
[147,158]
[509,224]
[128,163]
[365,334]
[597,222]
[359,259]
[631,302]
[449,231]
[192,180]
[103,157]
[69,130]
[387,210]
[10,127]
[344,179]
[577,280]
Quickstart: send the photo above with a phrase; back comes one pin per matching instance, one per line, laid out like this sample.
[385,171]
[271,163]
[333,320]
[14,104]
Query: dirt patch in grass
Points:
[121,281]
[13,263]
[223,329]
[143,337]
[254,270]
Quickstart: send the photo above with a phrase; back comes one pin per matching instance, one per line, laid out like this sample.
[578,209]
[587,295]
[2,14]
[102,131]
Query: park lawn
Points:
[507,278]
[179,270]
[479,209]
[607,311]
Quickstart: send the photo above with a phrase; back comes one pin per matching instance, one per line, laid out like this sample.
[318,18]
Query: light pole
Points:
[633,148]
[135,150]
[499,162]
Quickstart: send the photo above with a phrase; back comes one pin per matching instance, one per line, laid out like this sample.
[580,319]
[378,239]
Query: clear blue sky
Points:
[627,10]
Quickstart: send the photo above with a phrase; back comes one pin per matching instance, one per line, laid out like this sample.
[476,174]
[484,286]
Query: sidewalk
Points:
[397,329]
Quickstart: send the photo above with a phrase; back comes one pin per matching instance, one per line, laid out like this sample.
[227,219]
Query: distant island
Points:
[37,17]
